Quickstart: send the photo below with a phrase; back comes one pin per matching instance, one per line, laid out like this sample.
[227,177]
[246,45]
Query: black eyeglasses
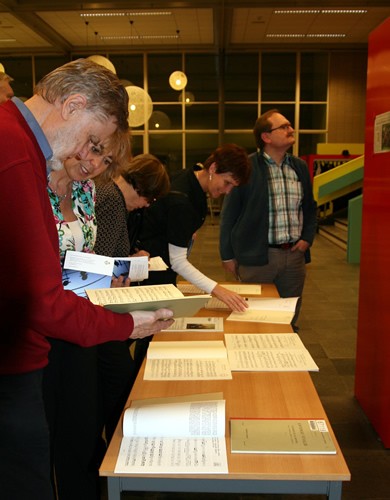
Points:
[286,126]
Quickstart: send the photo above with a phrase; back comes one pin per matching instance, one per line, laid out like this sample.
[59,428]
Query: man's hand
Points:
[231,266]
[300,245]
[150,322]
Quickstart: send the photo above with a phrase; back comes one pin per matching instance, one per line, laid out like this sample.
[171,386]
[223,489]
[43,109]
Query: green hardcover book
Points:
[280,436]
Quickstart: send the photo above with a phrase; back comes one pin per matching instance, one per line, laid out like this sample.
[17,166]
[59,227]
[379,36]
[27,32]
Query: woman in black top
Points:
[170,224]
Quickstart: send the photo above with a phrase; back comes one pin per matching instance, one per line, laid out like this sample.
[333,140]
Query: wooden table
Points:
[248,394]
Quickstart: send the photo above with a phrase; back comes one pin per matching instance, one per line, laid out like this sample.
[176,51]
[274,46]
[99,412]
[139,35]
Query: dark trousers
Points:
[70,396]
[116,375]
[286,269]
[24,439]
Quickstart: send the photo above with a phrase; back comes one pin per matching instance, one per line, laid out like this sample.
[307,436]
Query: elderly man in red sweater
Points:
[75,106]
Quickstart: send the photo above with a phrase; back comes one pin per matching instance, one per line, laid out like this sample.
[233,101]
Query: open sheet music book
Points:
[298,436]
[174,438]
[148,298]
[187,360]
[280,310]
[268,352]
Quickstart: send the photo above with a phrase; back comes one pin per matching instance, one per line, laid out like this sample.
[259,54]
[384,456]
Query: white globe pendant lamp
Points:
[178,80]
[103,61]
[140,106]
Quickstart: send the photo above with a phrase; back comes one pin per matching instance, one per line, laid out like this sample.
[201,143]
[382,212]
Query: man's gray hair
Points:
[105,94]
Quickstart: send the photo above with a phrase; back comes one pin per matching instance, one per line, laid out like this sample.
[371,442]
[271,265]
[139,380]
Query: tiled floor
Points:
[327,325]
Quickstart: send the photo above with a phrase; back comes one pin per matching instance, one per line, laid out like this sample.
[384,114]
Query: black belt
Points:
[283,246]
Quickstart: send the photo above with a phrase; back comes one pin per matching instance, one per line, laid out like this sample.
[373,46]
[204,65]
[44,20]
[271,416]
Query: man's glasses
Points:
[286,126]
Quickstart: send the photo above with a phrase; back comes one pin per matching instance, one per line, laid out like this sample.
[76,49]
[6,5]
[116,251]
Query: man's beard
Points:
[60,148]
[55,164]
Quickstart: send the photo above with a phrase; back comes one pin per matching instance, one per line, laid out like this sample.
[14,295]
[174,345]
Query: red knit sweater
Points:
[33,303]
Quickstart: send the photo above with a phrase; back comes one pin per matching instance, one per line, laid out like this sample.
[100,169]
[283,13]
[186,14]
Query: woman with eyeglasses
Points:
[138,184]
[120,203]
[72,388]
[70,379]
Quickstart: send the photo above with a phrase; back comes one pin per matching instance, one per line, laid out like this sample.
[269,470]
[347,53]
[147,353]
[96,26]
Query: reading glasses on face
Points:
[285,126]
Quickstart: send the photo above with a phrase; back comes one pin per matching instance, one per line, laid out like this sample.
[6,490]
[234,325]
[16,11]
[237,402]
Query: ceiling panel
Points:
[180,27]
[16,34]
[253,26]
[57,27]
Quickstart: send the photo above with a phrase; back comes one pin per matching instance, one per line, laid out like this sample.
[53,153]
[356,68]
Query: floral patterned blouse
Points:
[83,202]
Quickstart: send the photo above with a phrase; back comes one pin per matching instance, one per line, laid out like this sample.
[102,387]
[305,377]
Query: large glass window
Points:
[241,77]
[199,147]
[129,68]
[203,75]
[240,116]
[202,116]
[243,139]
[164,118]
[21,70]
[312,117]
[160,67]
[169,150]
[278,77]
[224,96]
[314,76]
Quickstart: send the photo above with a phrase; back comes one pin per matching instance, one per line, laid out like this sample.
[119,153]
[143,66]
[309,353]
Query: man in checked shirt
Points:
[268,225]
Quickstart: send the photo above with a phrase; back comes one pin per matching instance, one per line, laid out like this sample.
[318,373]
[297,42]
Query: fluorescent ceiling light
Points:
[297,11]
[326,35]
[137,37]
[320,11]
[301,35]
[122,14]
[344,11]
[285,35]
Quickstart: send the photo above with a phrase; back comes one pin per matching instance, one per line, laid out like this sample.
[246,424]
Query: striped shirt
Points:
[285,202]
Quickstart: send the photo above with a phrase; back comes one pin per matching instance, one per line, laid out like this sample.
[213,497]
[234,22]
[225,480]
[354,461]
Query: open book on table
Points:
[174,438]
[147,298]
[279,310]
[257,435]
[187,360]
[268,352]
